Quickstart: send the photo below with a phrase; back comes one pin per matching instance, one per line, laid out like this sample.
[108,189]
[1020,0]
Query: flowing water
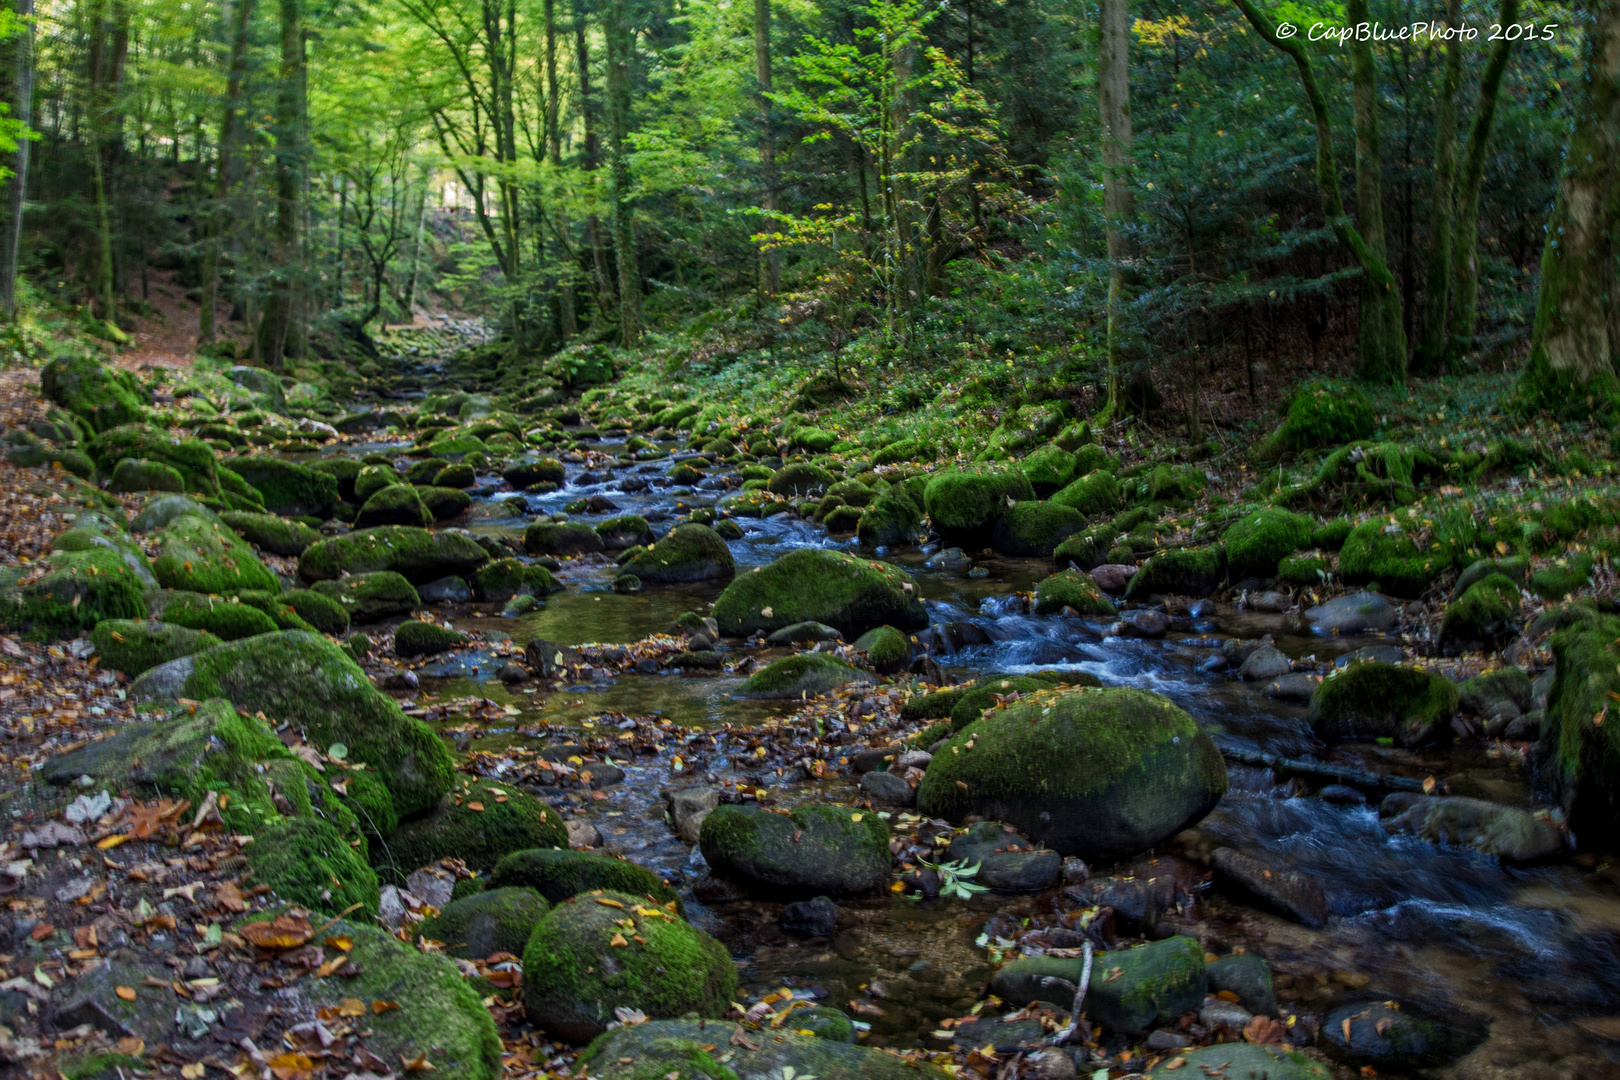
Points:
[1535,951]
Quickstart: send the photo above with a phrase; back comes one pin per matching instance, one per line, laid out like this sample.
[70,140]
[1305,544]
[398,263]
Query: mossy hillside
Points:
[1180,572]
[1096,492]
[1372,700]
[372,597]
[1099,773]
[686,553]
[224,617]
[321,612]
[288,489]
[557,873]
[202,555]
[1319,414]
[964,506]
[887,647]
[193,459]
[561,538]
[575,977]
[817,585]
[485,923]
[1578,757]
[1071,589]
[796,676]
[102,397]
[416,554]
[1486,615]
[78,590]
[277,535]
[503,579]
[416,638]
[394,504]
[1035,529]
[1380,551]
[1256,543]
[132,646]
[479,821]
[680,1048]
[816,850]
[892,519]
[1047,468]
[300,678]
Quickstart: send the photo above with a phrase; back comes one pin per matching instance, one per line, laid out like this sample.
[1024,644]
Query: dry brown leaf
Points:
[287,932]
[127,993]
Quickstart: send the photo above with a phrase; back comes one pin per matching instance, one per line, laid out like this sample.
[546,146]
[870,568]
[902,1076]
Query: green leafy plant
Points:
[954,879]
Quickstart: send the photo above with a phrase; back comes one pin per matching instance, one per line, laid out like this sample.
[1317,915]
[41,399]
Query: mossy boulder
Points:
[1256,543]
[562,538]
[559,872]
[804,674]
[41,456]
[288,489]
[529,472]
[503,579]
[374,478]
[224,617]
[458,475]
[346,471]
[1098,773]
[888,648]
[800,478]
[300,678]
[686,1049]
[132,646]
[1145,986]
[268,532]
[368,598]
[395,504]
[935,705]
[1562,577]
[416,638]
[1179,572]
[486,923]
[478,822]
[444,503]
[1577,759]
[423,471]
[1319,414]
[1087,550]
[204,555]
[139,474]
[814,851]
[686,553]
[817,585]
[102,397]
[78,590]
[1373,700]
[1096,492]
[1306,569]
[575,975]
[853,492]
[842,519]
[1047,468]
[964,506]
[306,861]
[320,611]
[983,694]
[628,531]
[193,459]
[416,554]
[1071,589]
[1380,552]
[892,518]
[1483,617]
[1035,528]
[898,451]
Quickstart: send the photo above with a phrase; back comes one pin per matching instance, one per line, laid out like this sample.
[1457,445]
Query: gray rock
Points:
[1354,614]
[547,659]
[582,834]
[1266,662]
[1296,686]
[875,757]
[445,590]
[1507,832]
[688,807]
[1224,1014]
[1247,976]
[886,787]
[1274,602]
[1007,1038]
[817,917]
[512,673]
[1292,894]
[1008,862]
[1112,578]
[1142,623]
[1383,654]
[1163,1040]
[1395,1037]
[1048,1063]
[804,633]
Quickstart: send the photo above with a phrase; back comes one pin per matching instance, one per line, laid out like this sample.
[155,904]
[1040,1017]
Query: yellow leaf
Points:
[618,941]
[127,993]
[107,842]
[351,1007]
[194,1071]
[344,943]
[605,902]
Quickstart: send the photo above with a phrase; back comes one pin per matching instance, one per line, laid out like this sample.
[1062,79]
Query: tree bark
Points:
[1382,335]
[1431,351]
[771,264]
[624,237]
[276,327]
[591,159]
[416,250]
[1114,106]
[553,136]
[234,84]
[1571,369]
[22,110]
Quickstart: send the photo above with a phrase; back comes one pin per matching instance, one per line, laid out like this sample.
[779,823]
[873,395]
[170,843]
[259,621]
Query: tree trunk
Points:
[1465,253]
[23,110]
[276,327]
[591,159]
[416,250]
[1386,339]
[1381,340]
[222,181]
[1114,106]
[624,238]
[1571,369]
[771,264]
[1431,351]
[553,136]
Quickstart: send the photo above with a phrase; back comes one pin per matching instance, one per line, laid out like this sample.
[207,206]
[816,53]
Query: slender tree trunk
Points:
[565,283]
[1465,254]
[416,250]
[234,84]
[591,159]
[624,238]
[1576,341]
[276,329]
[342,237]
[23,110]
[1114,105]
[1382,336]
[1431,352]
[771,264]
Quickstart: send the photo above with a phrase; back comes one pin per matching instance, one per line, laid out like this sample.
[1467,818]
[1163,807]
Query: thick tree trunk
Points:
[23,110]
[771,264]
[1381,341]
[234,84]
[277,329]
[1114,106]
[591,159]
[553,135]
[416,250]
[624,237]
[1431,351]
[1571,369]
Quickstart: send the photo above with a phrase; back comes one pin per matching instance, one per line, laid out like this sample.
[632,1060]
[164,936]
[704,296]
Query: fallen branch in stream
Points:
[1068,1034]
[1363,779]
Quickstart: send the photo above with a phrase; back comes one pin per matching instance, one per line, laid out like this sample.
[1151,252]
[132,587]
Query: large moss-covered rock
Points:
[322,612]
[1035,528]
[1101,774]
[1377,551]
[848,593]
[1071,589]
[1255,544]
[561,538]
[1140,987]
[416,638]
[478,822]
[223,616]
[346,471]
[486,923]
[627,531]
[558,872]
[1179,572]
[964,506]
[985,692]
[381,594]
[686,553]
[891,519]
[204,555]
[1094,493]
[604,950]
[193,459]
[139,474]
[306,861]
[887,647]
[268,532]
[133,646]
[800,478]
[288,489]
[395,504]
[814,851]
[800,675]
[418,555]
[300,678]
[1578,756]
[1485,616]
[1319,414]
[527,473]
[1373,700]
[503,579]
[78,590]
[373,478]
[1562,577]
[102,397]
[687,1049]
[1047,468]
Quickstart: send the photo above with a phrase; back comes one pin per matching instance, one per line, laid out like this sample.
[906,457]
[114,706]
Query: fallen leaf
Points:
[127,993]
[605,902]
[287,932]
[420,1063]
[618,942]
[194,1071]
[380,1007]
[478,806]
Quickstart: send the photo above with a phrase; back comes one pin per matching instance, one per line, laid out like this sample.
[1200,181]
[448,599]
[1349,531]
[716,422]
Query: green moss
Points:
[892,519]
[443,503]
[898,451]
[102,397]
[934,706]
[202,555]
[320,611]
[558,873]
[1035,528]
[346,471]
[416,638]
[1047,468]
[275,605]
[1256,543]
[511,820]
[416,554]
[226,618]
[307,862]
[138,474]
[277,535]
[964,506]
[288,489]
[395,504]
[1581,765]
[1484,616]
[801,478]
[983,693]
[1071,589]
[1181,572]
[372,597]
[1364,473]
[1308,569]
[78,590]
[817,585]
[574,978]
[485,923]
[503,579]
[1319,414]
[795,676]
[1478,694]
[686,553]
[193,459]
[1086,550]
[1381,552]
[561,538]
[887,647]
[420,472]
[674,1050]
[1094,493]
[1102,774]
[1563,577]
[815,850]
[1332,534]
[1372,700]
[627,531]
[451,444]
[133,646]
